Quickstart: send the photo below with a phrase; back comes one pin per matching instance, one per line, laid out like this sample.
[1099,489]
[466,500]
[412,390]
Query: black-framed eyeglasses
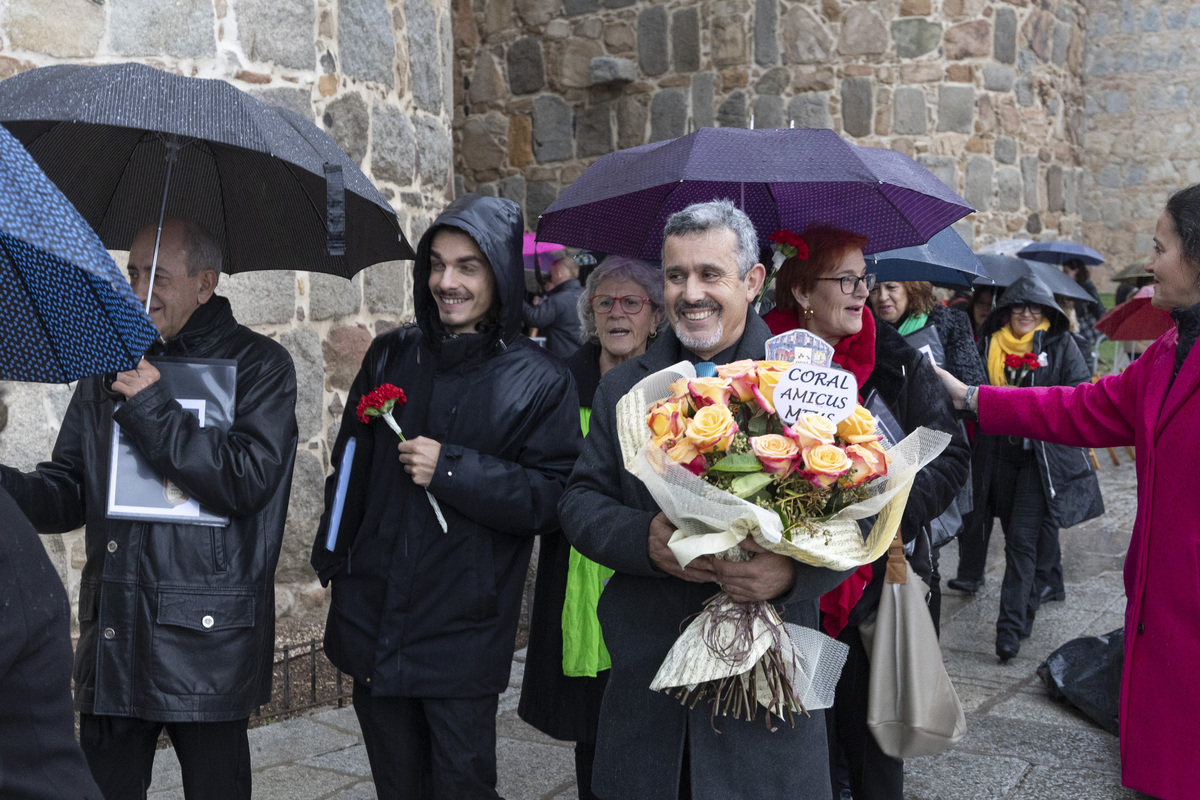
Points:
[630,303]
[850,282]
[1029,308]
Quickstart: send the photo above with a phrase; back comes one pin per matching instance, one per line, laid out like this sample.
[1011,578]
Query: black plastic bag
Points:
[1086,673]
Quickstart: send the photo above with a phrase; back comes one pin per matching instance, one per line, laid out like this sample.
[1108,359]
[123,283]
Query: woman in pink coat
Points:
[1155,405]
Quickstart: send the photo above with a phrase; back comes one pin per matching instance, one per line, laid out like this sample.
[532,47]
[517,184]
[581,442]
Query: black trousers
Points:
[973,544]
[429,748]
[1030,541]
[874,775]
[214,757]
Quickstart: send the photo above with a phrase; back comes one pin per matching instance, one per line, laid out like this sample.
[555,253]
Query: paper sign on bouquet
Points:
[812,385]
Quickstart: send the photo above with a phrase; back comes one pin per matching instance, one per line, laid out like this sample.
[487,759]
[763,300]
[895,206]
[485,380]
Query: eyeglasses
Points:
[850,282]
[630,303]
[1028,308]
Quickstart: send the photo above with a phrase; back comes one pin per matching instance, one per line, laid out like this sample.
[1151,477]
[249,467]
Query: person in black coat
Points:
[945,336]
[39,757]
[555,316]
[562,686]
[424,618]
[826,294]
[1034,488]
[650,746]
[176,620]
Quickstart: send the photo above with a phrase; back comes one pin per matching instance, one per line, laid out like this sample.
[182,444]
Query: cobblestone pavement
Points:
[1020,744]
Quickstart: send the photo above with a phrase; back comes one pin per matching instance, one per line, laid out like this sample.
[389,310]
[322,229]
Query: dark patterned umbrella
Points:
[66,311]
[275,190]
[788,179]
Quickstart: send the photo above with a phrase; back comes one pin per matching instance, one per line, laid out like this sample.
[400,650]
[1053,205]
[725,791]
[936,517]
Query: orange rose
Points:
[685,454]
[811,430]
[666,417]
[859,427]
[778,454]
[741,377]
[711,429]
[768,374]
[825,463]
[867,460]
[710,391]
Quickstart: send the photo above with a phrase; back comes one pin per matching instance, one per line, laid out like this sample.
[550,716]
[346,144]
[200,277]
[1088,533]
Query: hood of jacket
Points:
[496,225]
[1027,289]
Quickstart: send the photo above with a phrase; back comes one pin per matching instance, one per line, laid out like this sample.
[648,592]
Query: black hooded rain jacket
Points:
[417,612]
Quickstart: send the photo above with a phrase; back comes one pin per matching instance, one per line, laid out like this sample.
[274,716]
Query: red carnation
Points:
[1031,361]
[1014,361]
[379,402]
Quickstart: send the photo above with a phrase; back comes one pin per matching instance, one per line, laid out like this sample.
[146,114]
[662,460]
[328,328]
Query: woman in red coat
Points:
[1155,405]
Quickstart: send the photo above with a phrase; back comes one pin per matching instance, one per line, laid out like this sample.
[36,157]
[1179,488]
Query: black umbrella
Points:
[1003,270]
[128,144]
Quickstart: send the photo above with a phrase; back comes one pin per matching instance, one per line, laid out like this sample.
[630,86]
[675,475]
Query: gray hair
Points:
[202,249]
[704,217]
[621,268]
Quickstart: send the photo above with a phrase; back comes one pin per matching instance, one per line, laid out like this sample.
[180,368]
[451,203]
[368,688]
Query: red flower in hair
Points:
[790,244]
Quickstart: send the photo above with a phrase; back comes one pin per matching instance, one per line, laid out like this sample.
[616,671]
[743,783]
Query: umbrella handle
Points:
[172,154]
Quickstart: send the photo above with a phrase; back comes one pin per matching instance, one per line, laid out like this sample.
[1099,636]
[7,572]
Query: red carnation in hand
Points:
[379,402]
[1031,361]
[1014,361]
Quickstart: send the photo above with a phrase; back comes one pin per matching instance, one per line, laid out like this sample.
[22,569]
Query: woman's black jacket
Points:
[1068,479]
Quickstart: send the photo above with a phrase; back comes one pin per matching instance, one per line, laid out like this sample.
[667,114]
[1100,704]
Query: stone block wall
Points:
[376,75]
[1142,115]
[987,95]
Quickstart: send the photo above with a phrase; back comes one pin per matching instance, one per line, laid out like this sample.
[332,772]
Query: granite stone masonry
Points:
[966,86]
[375,75]
[1140,117]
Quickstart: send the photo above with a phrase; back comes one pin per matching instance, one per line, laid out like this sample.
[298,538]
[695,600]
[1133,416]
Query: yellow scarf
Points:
[1007,343]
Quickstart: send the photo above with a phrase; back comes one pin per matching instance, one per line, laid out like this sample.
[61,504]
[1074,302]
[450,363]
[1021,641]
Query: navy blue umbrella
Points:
[945,259]
[66,311]
[1060,253]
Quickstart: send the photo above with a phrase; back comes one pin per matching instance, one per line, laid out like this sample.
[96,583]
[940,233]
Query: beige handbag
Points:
[912,708]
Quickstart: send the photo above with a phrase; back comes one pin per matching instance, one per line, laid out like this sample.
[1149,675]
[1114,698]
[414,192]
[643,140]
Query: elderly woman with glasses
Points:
[1034,487]
[826,294]
[620,312]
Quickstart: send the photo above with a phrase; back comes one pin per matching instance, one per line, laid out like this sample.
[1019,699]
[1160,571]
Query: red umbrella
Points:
[1135,319]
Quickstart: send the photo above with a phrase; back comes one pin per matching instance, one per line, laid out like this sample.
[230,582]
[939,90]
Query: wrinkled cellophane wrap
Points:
[722,643]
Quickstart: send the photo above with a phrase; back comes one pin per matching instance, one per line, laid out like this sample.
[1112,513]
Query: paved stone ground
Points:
[1020,744]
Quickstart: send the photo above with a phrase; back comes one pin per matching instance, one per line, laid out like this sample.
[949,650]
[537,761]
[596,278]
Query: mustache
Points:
[682,305]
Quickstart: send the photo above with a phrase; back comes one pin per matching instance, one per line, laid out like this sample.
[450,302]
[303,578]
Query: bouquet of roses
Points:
[723,465]
[1018,370]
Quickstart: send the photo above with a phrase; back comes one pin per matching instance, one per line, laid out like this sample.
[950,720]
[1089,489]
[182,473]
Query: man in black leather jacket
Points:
[176,620]
[424,618]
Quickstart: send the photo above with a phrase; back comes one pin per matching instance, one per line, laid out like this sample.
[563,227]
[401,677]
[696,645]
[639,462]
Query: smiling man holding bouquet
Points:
[650,746]
[464,432]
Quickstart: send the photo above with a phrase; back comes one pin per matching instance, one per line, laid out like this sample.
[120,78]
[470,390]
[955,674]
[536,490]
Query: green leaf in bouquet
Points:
[738,462]
[746,485]
[757,426]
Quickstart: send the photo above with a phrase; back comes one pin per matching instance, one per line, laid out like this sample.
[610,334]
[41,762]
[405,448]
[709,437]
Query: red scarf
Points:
[857,355]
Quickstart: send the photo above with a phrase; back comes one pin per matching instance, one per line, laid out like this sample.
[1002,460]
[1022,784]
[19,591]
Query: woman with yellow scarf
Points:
[1034,488]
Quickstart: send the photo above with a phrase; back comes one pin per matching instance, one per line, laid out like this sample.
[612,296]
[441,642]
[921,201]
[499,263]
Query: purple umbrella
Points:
[788,179]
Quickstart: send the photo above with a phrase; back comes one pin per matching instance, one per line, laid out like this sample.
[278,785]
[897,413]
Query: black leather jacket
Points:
[415,611]
[149,588]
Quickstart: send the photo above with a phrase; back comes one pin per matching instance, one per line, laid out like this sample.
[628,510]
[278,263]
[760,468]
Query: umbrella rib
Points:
[36,314]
